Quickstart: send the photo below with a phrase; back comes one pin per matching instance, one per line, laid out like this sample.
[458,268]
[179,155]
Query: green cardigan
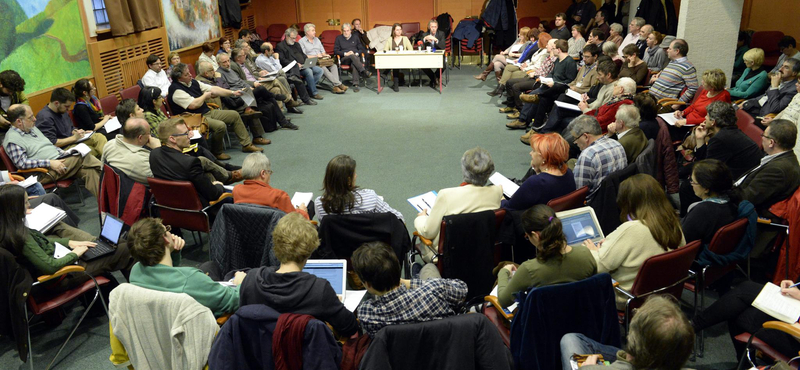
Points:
[38,252]
[220,299]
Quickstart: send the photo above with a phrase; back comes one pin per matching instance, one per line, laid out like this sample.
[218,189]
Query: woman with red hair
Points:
[551,178]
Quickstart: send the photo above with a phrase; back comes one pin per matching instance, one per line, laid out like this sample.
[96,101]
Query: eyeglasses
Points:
[692,182]
[767,137]
[167,228]
[578,138]
[183,134]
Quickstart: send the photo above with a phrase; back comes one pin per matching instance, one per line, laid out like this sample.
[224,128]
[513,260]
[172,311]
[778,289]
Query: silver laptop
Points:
[310,62]
[335,271]
[580,224]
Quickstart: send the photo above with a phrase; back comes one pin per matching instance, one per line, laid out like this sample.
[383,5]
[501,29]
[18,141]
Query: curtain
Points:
[129,16]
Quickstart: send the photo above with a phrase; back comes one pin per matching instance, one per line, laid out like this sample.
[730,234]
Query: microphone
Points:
[419,44]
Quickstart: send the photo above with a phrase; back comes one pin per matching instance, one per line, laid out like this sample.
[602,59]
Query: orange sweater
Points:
[257,192]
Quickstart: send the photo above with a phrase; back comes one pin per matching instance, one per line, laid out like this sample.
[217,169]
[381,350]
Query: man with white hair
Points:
[625,129]
[257,171]
[644,32]
[351,52]
[600,156]
[632,37]
[290,51]
[313,48]
[621,94]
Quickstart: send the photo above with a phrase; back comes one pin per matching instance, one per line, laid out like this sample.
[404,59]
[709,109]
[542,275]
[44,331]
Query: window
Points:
[100,15]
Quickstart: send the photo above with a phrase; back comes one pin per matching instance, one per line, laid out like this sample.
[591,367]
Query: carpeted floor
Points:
[405,144]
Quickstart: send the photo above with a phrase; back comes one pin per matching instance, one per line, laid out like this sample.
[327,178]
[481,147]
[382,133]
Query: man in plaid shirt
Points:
[28,148]
[400,301]
[600,155]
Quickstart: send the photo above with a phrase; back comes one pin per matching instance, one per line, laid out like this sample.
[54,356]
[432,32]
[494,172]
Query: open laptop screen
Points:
[580,226]
[112,228]
[332,270]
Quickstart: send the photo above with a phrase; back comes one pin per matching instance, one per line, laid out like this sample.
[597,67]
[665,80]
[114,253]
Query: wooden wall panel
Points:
[388,12]
[270,11]
[119,62]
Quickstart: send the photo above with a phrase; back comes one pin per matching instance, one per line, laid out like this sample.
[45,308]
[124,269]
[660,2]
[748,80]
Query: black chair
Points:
[604,199]
[242,236]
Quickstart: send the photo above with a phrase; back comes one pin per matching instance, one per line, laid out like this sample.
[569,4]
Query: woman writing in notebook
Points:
[650,228]
[555,262]
[36,251]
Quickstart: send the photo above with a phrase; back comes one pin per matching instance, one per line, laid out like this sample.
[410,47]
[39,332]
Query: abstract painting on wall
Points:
[190,22]
[43,41]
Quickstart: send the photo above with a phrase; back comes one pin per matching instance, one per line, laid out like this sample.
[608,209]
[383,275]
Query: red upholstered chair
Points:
[660,274]
[301,28]
[262,32]
[328,39]
[764,350]
[725,241]
[191,70]
[767,41]
[130,92]
[136,203]
[530,22]
[109,104]
[410,28]
[180,206]
[572,200]
[275,32]
[477,48]
[747,124]
[39,172]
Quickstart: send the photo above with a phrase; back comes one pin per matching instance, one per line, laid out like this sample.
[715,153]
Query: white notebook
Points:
[44,217]
[509,187]
[423,201]
[777,305]
[301,198]
[669,118]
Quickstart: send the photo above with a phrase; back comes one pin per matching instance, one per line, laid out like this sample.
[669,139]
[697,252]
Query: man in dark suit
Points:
[778,175]
[625,129]
[778,95]
[435,39]
[168,162]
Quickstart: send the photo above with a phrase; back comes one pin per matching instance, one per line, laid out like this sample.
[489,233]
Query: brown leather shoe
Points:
[526,139]
[317,97]
[514,115]
[222,156]
[236,176]
[294,103]
[253,149]
[508,110]
[338,90]
[517,125]
[529,98]
[343,87]
[262,141]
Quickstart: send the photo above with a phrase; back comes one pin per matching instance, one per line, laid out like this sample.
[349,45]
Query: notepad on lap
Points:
[86,136]
[669,118]
[574,94]
[301,198]
[113,124]
[773,303]
[423,201]
[509,187]
[81,149]
[44,217]
[569,106]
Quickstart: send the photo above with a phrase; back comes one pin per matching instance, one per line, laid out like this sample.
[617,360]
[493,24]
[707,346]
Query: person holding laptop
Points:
[555,262]
[36,252]
[652,228]
[155,249]
[287,289]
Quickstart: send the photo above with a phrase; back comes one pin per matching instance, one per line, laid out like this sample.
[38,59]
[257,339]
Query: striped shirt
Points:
[597,161]
[19,155]
[367,201]
[678,74]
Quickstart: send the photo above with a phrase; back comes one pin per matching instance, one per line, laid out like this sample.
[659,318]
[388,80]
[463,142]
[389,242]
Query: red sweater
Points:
[607,113]
[257,192]
[695,114]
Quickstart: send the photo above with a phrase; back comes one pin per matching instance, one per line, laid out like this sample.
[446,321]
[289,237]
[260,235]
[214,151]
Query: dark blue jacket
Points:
[746,210]
[468,29]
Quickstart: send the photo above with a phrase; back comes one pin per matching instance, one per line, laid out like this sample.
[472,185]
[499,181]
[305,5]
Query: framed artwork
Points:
[190,22]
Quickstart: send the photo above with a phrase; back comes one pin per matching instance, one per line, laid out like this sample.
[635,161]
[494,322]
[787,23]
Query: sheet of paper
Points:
[60,251]
[4,176]
[195,135]
[85,137]
[574,94]
[546,80]
[353,298]
[43,217]
[228,188]
[81,149]
[423,201]
[248,97]
[289,66]
[301,198]
[30,181]
[775,304]
[515,48]
[113,124]
[509,187]
[567,106]
[669,118]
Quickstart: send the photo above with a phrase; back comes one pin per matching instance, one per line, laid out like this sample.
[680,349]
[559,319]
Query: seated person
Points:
[655,56]
[599,156]
[778,175]
[88,112]
[360,32]
[168,162]
[340,195]
[648,111]
[35,251]
[610,50]
[12,91]
[712,183]
[780,92]
[514,67]
[257,171]
[225,46]
[435,39]
[475,195]
[207,55]
[350,51]
[155,75]
[622,94]
[399,301]
[652,228]
[625,129]
[151,101]
[754,79]
[714,83]
[155,248]
[596,37]
[560,30]
[287,289]
[678,75]
[312,48]
[791,113]
[555,262]
[289,50]
[397,42]
[129,152]
[251,73]
[657,325]
[28,148]
[188,95]
[614,34]
[738,59]
[54,122]
[788,47]
[632,66]
[735,308]
[33,190]
[270,61]
[500,60]
[551,178]
[576,42]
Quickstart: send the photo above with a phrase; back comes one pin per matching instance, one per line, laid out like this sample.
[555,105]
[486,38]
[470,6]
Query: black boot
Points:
[498,91]
[396,84]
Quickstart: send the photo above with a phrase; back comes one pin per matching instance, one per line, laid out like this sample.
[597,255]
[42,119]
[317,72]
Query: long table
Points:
[409,59]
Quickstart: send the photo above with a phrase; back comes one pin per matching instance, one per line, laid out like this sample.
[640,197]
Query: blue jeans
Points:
[312,76]
[580,344]
[35,189]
